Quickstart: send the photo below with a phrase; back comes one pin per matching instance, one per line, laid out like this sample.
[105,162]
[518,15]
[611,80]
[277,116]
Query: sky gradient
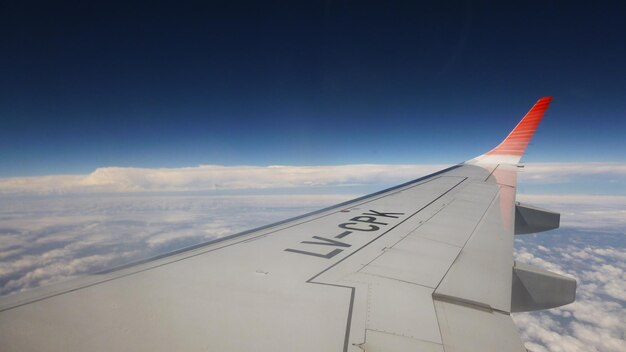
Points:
[323,83]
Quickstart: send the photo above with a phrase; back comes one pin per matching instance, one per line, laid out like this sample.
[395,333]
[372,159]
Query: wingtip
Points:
[514,145]
[547,99]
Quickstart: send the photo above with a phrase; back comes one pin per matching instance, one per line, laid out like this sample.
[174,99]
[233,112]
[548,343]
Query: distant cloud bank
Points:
[216,177]
[560,172]
[213,177]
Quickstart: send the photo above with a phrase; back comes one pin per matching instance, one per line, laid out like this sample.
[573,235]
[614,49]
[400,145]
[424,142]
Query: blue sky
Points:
[328,83]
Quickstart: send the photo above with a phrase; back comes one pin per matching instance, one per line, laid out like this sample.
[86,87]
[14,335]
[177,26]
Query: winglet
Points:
[512,148]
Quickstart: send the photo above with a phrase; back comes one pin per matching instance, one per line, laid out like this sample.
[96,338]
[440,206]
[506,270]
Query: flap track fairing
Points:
[530,219]
[536,289]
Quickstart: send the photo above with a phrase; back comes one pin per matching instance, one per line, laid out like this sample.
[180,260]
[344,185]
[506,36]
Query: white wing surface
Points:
[424,266]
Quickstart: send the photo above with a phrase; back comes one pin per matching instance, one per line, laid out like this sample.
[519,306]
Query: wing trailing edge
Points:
[511,149]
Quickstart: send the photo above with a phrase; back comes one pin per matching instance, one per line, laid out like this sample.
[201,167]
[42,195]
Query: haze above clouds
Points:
[216,177]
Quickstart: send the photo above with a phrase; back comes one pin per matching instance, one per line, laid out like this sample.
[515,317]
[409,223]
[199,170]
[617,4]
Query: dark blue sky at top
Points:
[300,83]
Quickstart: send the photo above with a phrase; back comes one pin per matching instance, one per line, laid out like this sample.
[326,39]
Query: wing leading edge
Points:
[427,266]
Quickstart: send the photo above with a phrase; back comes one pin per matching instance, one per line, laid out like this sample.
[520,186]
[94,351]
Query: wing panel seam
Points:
[353,288]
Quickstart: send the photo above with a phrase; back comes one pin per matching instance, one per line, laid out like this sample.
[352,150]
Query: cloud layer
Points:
[215,177]
[560,172]
[49,239]
[591,247]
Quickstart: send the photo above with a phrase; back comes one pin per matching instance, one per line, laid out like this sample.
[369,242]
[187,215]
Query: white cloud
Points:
[49,239]
[216,177]
[562,172]
[578,200]
[525,256]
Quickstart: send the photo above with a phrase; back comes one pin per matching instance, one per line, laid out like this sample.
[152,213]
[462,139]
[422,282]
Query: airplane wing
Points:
[424,266]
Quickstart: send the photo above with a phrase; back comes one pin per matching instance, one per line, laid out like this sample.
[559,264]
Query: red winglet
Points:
[516,142]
